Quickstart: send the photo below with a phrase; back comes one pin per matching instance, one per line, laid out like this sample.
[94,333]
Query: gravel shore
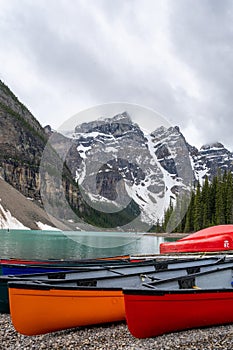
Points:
[115,337]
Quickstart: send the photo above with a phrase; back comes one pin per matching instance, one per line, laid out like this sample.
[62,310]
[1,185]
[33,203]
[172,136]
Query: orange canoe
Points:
[45,309]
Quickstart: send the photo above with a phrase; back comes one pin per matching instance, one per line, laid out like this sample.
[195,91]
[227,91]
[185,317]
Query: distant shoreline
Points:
[167,235]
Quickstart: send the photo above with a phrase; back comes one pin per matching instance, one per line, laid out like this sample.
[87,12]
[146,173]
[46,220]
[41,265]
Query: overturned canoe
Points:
[207,300]
[212,239]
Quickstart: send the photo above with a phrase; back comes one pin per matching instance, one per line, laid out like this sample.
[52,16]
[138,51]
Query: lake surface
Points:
[70,245]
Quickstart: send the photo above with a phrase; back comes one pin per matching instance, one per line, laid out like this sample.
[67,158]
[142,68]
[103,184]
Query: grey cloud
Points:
[202,37]
[75,47]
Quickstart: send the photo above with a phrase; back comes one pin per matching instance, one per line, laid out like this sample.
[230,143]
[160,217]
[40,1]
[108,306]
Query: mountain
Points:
[210,159]
[24,147]
[109,175]
[118,162]
[22,143]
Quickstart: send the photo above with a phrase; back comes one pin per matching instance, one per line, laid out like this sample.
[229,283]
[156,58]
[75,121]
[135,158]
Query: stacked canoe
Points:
[154,297]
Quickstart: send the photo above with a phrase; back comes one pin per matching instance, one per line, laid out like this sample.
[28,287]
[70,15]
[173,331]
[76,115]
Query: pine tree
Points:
[212,195]
[167,216]
[229,199]
[211,204]
[198,208]
[219,202]
[189,220]
[205,199]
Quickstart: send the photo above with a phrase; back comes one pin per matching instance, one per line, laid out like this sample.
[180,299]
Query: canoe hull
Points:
[212,239]
[218,243]
[151,314]
[36,312]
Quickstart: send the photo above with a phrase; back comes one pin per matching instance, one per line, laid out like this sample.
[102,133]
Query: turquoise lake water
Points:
[69,245]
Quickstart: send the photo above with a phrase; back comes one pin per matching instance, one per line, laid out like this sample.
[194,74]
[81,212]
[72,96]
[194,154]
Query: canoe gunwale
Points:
[162,292]
[40,286]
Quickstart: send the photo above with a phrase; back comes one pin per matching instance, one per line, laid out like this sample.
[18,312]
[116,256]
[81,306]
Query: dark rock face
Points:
[22,141]
[173,152]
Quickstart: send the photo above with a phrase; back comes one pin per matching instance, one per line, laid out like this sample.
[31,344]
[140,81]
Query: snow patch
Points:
[46,227]
[7,221]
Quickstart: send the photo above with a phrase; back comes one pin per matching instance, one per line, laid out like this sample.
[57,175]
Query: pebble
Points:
[115,337]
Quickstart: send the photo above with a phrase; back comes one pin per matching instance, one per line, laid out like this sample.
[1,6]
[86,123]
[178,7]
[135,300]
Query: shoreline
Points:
[115,337]
[168,235]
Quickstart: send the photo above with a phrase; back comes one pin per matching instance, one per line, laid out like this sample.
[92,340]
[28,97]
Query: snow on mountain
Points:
[210,159]
[18,212]
[114,162]
[120,163]
[8,221]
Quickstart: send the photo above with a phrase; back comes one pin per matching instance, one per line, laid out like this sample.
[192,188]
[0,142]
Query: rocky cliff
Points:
[22,142]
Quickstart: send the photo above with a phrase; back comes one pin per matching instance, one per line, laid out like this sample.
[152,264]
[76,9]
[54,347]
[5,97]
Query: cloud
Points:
[202,39]
[61,57]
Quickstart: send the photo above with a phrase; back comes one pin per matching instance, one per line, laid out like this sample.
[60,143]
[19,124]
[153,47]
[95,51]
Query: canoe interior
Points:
[98,279]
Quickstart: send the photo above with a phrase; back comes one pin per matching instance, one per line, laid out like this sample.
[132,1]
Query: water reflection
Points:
[59,245]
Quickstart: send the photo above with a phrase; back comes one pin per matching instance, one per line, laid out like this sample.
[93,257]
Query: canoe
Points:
[19,266]
[117,258]
[15,269]
[108,277]
[208,277]
[207,301]
[38,307]
[212,239]
[58,309]
[11,268]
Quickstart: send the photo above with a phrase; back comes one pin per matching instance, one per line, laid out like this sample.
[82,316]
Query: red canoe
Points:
[86,261]
[150,313]
[211,239]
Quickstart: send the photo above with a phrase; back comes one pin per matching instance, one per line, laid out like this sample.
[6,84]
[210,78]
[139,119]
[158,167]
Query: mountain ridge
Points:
[116,164]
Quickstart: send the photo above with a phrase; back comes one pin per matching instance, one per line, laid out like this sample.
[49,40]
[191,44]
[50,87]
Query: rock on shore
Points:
[115,337]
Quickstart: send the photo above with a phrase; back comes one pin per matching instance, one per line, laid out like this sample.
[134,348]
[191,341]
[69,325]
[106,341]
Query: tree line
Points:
[209,204]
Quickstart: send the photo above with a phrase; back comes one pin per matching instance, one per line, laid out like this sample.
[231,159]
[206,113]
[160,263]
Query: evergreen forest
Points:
[209,204]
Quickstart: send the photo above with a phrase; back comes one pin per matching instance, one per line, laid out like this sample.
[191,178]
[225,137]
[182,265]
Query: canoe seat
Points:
[57,275]
[86,283]
[161,266]
[193,269]
[186,283]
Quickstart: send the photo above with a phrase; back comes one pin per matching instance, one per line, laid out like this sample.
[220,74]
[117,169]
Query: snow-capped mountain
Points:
[115,162]
[120,163]
[210,159]
[119,169]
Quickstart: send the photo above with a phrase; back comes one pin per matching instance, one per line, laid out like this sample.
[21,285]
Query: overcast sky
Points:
[63,56]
